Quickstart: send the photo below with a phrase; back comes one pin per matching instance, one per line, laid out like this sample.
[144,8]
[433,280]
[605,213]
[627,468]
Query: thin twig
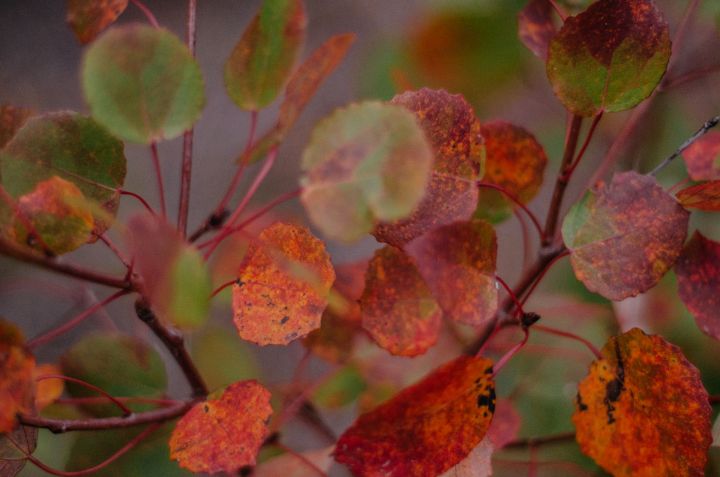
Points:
[158,177]
[147,12]
[113,248]
[559,10]
[539,441]
[139,198]
[516,201]
[187,152]
[572,336]
[704,129]
[584,147]
[126,410]
[308,463]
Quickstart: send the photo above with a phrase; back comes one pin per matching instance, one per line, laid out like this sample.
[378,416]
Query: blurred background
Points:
[465,46]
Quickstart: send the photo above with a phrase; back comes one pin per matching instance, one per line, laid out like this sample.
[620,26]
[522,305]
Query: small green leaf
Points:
[142,83]
[222,358]
[342,389]
[261,62]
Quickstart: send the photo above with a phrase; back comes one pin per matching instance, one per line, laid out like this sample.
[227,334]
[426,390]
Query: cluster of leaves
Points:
[424,176]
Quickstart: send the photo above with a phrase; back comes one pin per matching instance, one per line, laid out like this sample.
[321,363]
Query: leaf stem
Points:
[147,12]
[512,352]
[704,129]
[539,441]
[572,336]
[559,10]
[139,198]
[516,201]
[596,120]
[126,410]
[113,248]
[158,177]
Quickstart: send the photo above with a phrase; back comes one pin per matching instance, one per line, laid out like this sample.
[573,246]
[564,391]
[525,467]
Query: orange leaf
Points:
[702,158]
[427,428]
[17,388]
[223,434]
[283,286]
[643,411]
[702,196]
[698,276]
[47,391]
[457,262]
[397,308]
[88,18]
[477,464]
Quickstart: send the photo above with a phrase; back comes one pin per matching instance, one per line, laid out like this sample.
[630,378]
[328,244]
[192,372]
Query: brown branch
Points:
[538,441]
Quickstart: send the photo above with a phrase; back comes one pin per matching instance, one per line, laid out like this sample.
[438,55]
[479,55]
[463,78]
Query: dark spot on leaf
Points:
[487,400]
[284,319]
[581,405]
[206,408]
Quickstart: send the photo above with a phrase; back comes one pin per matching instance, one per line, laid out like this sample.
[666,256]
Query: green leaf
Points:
[72,147]
[343,388]
[142,83]
[610,57]
[222,358]
[261,62]
[119,364]
[365,162]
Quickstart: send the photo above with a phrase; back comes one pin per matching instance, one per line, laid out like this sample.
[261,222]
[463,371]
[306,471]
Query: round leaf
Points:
[610,57]
[88,18]
[698,275]
[366,162]
[702,158]
[643,411]
[142,83]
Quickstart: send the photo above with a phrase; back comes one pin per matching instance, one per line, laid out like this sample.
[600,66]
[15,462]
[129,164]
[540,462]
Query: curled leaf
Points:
[698,276]
[17,388]
[702,158]
[88,18]
[643,411]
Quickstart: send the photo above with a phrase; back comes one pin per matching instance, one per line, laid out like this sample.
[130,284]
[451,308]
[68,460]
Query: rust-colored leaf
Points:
[454,133]
[624,236]
[704,196]
[643,411]
[397,307]
[47,391]
[457,262]
[223,434]
[11,119]
[88,18]
[610,57]
[427,428]
[698,275]
[702,158]
[283,286]
[536,26]
[477,463]
[516,162]
[17,388]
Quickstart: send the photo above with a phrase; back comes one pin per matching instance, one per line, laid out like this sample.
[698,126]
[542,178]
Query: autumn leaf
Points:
[609,57]
[624,236]
[698,276]
[516,162]
[261,61]
[397,307]
[15,446]
[176,280]
[11,120]
[345,386]
[457,262]
[450,125]
[705,196]
[536,27]
[283,286]
[702,158]
[477,464]
[88,18]
[366,162]
[142,83]
[72,147]
[223,434]
[17,388]
[505,425]
[643,410]
[47,391]
[427,428]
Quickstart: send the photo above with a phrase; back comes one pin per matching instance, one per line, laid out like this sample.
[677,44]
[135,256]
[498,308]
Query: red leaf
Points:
[698,275]
[702,158]
[17,388]
[701,197]
[88,18]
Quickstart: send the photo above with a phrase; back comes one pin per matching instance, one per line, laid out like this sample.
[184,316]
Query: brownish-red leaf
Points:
[283,286]
[427,428]
[88,18]
[702,158]
[457,262]
[536,26]
[643,411]
[17,388]
[701,197]
[223,434]
[397,307]
[698,275]
[11,119]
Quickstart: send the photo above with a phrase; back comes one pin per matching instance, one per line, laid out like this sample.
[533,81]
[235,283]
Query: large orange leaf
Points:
[457,262]
[454,132]
[223,434]
[643,411]
[702,158]
[624,236]
[705,196]
[698,275]
[397,307]
[283,286]
[427,428]
[17,388]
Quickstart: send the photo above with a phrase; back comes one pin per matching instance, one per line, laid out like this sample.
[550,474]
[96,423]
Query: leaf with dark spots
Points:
[702,158]
[11,120]
[624,236]
[88,18]
[397,307]
[425,429]
[536,26]
[458,264]
[610,57]
[705,196]
[698,276]
[17,388]
[643,411]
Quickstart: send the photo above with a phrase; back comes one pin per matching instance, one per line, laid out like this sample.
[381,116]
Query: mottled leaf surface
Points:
[397,307]
[262,60]
[536,26]
[477,464]
[17,388]
[643,411]
[427,428]
[516,162]
[142,83]
[11,120]
[223,434]
[365,162]
[702,158]
[283,286]
[72,147]
[88,18]
[705,196]
[624,236]
[609,57]
[454,133]
[698,276]
[458,264]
